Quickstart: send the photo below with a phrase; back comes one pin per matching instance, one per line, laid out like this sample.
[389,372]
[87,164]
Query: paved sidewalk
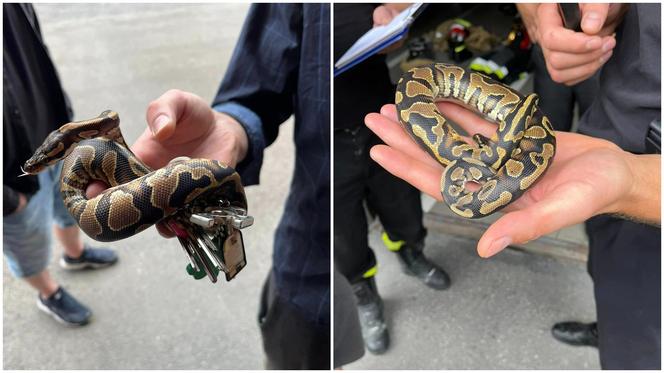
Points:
[148,313]
[496,315]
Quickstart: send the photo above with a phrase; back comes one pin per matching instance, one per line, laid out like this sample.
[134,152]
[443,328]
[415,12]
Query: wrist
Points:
[238,141]
[642,199]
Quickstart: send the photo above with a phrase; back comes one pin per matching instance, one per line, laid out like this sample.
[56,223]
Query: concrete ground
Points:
[148,313]
[496,315]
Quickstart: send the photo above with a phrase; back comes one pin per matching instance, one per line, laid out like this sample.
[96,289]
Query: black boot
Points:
[576,333]
[370,310]
[414,263]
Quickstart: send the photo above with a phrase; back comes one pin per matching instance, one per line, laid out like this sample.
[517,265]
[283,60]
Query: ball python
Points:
[505,165]
[138,196]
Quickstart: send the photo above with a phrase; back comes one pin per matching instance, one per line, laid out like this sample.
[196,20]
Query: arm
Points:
[260,83]
[588,177]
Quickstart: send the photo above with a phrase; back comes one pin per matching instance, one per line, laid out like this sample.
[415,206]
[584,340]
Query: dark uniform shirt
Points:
[365,87]
[281,67]
[34,103]
[625,256]
[630,94]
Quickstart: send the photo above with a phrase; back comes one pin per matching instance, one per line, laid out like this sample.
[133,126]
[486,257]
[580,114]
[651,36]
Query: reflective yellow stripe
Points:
[462,22]
[392,245]
[460,48]
[371,272]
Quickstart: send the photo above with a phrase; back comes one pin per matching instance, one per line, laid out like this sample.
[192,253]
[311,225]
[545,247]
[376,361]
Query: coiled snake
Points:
[139,197]
[505,165]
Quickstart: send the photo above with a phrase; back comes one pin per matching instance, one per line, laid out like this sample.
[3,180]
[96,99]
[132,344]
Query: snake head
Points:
[53,149]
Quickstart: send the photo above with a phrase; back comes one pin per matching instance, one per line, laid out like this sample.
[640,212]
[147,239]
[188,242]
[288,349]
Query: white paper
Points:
[378,35]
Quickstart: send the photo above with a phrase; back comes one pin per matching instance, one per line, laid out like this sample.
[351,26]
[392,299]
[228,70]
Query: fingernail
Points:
[605,57]
[368,121]
[608,45]
[159,123]
[591,21]
[496,246]
[593,43]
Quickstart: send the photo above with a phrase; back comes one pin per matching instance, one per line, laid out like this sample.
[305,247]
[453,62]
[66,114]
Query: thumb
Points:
[382,16]
[163,113]
[593,17]
[567,205]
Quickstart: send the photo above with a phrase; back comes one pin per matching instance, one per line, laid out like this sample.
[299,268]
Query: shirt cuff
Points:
[249,168]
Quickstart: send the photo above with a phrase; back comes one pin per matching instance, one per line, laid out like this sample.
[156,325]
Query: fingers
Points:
[419,174]
[593,17]
[163,113]
[164,230]
[94,189]
[567,205]
[393,135]
[174,107]
[576,74]
[554,36]
[572,57]
[382,15]
[561,61]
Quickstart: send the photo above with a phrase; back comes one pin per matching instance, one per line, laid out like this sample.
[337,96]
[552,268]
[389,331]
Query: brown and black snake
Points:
[138,196]
[505,165]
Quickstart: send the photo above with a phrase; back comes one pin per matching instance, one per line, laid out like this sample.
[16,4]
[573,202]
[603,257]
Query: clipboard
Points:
[378,39]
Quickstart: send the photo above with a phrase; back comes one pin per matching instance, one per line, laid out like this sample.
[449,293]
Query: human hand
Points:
[183,124]
[588,177]
[572,57]
[22,203]
[383,15]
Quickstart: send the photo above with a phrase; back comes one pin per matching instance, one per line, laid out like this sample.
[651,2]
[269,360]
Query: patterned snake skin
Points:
[139,197]
[505,165]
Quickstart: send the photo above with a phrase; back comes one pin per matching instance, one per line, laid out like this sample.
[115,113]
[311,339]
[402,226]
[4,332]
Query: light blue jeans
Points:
[27,234]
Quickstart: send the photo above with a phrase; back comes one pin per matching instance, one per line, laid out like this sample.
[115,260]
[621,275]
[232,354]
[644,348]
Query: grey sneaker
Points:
[64,308]
[90,258]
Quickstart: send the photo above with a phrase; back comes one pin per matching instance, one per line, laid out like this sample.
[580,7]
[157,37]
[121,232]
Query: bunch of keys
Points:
[211,239]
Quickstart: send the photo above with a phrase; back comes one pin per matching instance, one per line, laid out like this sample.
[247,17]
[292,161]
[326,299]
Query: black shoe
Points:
[576,333]
[370,310]
[90,258]
[64,308]
[414,263]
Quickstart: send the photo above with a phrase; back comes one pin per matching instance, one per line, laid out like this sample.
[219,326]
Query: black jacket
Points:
[34,102]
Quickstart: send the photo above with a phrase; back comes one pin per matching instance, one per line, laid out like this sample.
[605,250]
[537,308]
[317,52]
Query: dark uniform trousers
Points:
[357,178]
[624,263]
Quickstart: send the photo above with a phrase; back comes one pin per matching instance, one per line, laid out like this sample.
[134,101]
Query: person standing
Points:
[359,180]
[34,105]
[280,67]
[605,175]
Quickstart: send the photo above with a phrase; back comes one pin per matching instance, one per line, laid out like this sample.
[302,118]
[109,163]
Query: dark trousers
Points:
[290,340]
[557,100]
[357,178]
[625,266]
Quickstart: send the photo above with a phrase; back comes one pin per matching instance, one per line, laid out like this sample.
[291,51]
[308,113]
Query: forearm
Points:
[643,202]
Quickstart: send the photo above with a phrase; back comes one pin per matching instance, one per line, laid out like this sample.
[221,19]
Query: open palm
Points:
[587,177]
